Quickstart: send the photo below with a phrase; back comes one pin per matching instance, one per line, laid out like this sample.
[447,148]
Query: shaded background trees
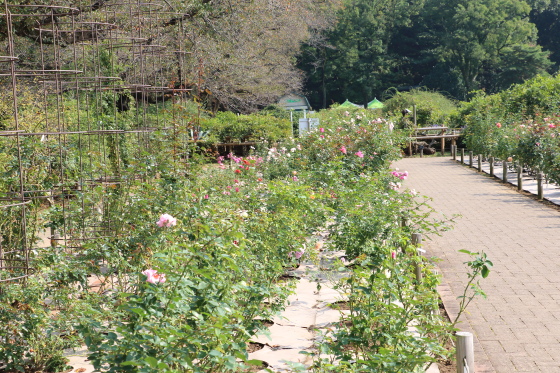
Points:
[243,55]
[237,55]
[453,46]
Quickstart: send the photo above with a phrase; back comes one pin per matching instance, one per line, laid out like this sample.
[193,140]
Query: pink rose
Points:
[153,277]
[166,220]
[296,254]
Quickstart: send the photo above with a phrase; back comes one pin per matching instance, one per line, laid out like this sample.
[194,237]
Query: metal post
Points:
[480,163]
[470,158]
[417,242]
[421,152]
[1,253]
[465,352]
[454,152]
[404,222]
[462,155]
[55,237]
[416,239]
[519,178]
[505,169]
[540,192]
[491,166]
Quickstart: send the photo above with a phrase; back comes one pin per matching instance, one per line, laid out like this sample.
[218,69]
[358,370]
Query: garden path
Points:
[517,327]
[296,331]
[307,316]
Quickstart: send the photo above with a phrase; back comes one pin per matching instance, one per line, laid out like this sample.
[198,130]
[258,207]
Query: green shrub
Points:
[431,107]
[231,127]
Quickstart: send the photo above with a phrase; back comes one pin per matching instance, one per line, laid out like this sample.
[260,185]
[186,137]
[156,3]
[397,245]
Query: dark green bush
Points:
[431,107]
[231,127]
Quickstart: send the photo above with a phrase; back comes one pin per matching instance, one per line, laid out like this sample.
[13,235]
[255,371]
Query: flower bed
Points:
[521,123]
[198,259]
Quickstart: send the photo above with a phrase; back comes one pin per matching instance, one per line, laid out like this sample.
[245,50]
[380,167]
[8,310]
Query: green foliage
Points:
[479,268]
[354,62]
[239,225]
[520,123]
[198,320]
[383,301]
[36,326]
[449,46]
[281,113]
[230,127]
[431,107]
[476,36]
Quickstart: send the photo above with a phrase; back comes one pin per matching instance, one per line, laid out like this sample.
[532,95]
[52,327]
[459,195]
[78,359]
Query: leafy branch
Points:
[479,268]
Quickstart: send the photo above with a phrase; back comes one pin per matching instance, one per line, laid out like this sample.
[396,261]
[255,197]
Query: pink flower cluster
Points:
[297,254]
[153,277]
[166,220]
[234,158]
[220,160]
[400,175]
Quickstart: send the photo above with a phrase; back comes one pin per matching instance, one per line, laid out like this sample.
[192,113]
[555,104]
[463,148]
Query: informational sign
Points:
[294,101]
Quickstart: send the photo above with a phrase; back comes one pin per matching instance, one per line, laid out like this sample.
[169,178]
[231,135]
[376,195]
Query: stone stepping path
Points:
[295,330]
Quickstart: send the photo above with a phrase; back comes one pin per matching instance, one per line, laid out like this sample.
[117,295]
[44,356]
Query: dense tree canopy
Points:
[242,55]
[486,36]
[356,59]
[237,55]
[455,46]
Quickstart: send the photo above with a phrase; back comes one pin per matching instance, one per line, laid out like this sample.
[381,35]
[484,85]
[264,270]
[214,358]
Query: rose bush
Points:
[196,253]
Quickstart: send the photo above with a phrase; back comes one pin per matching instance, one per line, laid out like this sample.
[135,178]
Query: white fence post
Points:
[465,352]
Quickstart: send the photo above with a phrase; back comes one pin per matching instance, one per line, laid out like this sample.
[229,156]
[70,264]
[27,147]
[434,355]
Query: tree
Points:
[492,37]
[243,53]
[233,54]
[355,60]
[545,14]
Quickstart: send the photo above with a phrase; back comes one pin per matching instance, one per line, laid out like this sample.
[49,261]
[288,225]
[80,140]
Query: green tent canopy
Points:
[375,104]
[349,104]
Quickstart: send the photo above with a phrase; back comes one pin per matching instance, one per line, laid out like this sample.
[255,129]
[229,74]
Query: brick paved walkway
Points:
[517,328]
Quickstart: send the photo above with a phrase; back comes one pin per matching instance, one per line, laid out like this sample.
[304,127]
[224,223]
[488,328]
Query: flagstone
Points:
[279,359]
[282,336]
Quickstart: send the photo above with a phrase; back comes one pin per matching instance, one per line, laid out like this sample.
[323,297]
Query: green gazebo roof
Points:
[375,104]
[349,104]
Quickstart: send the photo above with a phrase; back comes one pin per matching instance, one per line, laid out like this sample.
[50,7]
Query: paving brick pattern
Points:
[517,328]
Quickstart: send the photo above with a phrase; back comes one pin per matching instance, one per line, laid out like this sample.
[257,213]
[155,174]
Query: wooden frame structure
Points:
[434,133]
